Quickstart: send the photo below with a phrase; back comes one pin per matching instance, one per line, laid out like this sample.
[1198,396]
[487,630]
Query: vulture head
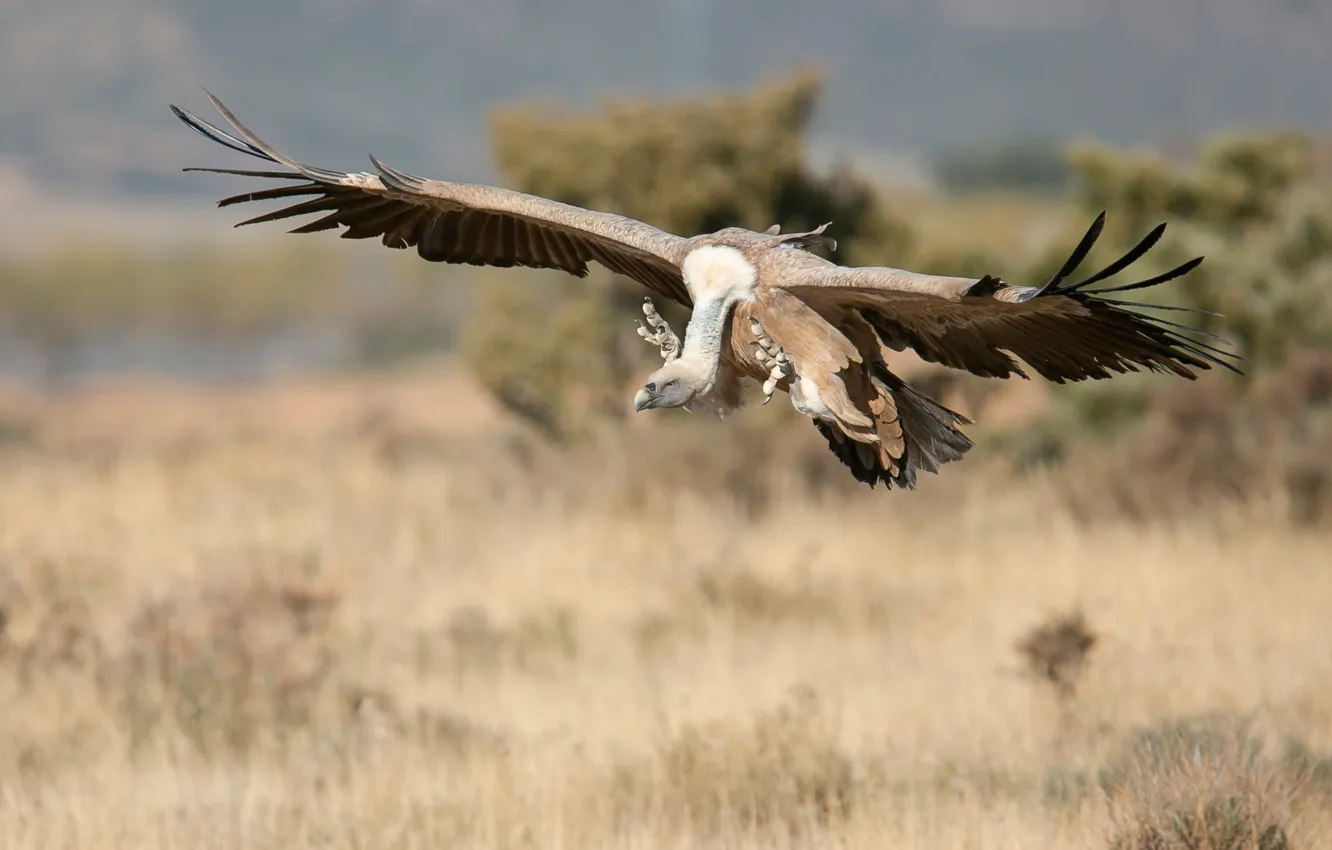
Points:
[673,385]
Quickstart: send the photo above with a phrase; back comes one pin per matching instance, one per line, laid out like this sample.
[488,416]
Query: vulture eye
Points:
[672,385]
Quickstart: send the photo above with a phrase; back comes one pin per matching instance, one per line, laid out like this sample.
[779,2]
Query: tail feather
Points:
[931,431]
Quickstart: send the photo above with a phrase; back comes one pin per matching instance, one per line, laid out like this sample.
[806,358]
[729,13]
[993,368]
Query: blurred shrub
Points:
[226,670]
[1197,784]
[1057,651]
[683,165]
[782,774]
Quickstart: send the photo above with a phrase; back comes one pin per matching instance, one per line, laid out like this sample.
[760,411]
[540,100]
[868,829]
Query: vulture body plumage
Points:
[764,307]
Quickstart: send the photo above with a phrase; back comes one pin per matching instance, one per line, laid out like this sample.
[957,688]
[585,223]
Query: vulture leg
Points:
[770,354]
[661,334]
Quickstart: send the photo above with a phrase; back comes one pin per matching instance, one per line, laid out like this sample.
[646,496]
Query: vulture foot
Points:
[770,354]
[661,334]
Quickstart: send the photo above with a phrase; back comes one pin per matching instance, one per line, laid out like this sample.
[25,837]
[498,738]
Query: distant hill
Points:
[87,82]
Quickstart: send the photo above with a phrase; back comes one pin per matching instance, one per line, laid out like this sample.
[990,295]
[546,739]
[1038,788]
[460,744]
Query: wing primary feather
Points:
[215,134]
[1177,326]
[1107,335]
[385,216]
[1206,352]
[1198,345]
[1119,265]
[274,194]
[395,179]
[1079,254]
[1144,305]
[313,205]
[1201,350]
[246,172]
[328,222]
[268,151]
[1178,271]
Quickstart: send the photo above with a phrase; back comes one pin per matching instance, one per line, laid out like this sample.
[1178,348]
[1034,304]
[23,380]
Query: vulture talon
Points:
[661,334]
[769,353]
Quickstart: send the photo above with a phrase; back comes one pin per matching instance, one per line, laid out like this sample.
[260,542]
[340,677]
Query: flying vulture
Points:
[764,306]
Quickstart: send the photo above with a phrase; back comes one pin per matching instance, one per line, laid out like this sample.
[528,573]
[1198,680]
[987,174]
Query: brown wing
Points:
[1063,330]
[455,222]
[818,350]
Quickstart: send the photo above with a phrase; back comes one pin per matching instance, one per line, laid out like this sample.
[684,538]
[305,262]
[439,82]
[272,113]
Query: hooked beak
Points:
[642,400]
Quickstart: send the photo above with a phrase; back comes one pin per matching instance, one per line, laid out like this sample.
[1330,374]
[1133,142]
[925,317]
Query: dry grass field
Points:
[376,625]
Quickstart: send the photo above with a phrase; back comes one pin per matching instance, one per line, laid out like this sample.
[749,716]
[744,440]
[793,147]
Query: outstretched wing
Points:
[454,222]
[1065,331]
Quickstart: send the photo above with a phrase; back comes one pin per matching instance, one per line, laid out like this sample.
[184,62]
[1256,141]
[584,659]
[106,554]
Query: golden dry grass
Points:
[258,633]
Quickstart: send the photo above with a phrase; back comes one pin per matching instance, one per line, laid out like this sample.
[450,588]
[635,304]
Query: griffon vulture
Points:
[764,307]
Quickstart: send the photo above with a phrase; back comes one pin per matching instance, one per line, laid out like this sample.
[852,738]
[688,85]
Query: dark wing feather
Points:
[1065,331]
[458,223]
